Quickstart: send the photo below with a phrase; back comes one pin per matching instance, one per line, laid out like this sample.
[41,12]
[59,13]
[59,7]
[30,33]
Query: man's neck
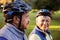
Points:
[19,28]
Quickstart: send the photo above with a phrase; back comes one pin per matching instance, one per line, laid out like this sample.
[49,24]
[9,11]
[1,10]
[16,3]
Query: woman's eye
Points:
[47,21]
[42,20]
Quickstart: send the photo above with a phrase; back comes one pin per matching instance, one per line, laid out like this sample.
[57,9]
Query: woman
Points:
[41,32]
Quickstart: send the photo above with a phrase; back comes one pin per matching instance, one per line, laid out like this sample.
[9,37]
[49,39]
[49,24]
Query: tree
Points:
[49,4]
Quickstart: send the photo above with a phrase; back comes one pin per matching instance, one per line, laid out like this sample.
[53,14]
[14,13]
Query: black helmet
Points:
[44,12]
[16,7]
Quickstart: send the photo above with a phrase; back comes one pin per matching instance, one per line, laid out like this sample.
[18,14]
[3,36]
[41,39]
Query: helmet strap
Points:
[19,25]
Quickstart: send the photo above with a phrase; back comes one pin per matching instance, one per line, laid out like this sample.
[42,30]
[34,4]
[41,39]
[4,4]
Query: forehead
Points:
[43,17]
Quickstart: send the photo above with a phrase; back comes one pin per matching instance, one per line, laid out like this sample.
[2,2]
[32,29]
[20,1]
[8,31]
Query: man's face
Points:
[43,22]
[25,21]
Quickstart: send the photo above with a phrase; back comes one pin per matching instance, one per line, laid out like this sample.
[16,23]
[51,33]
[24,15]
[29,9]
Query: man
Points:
[17,19]
[41,31]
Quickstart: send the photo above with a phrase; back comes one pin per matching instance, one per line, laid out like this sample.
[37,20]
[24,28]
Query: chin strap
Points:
[20,21]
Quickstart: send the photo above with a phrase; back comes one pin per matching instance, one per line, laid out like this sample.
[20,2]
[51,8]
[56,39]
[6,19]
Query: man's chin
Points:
[25,28]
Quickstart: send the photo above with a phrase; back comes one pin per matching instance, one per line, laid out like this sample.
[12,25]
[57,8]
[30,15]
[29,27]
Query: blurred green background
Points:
[52,5]
[54,27]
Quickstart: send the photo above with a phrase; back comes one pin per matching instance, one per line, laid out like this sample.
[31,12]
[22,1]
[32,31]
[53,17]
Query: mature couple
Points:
[17,19]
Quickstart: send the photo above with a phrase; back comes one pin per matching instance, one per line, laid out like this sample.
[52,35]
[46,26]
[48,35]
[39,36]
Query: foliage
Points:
[49,4]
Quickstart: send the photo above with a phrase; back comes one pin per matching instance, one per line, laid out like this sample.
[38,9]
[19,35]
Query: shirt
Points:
[38,34]
[10,32]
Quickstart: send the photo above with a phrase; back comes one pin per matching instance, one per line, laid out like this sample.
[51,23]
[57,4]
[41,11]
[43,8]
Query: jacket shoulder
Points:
[34,37]
[2,38]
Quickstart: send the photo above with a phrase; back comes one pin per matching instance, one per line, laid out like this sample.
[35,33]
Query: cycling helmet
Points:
[16,7]
[44,12]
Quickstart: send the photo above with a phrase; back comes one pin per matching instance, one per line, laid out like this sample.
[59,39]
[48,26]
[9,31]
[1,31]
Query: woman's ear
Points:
[36,19]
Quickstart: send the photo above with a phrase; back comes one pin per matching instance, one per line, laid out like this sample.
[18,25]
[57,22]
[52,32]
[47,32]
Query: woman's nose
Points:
[45,22]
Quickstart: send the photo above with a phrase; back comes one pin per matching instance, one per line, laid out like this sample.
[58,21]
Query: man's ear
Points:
[14,18]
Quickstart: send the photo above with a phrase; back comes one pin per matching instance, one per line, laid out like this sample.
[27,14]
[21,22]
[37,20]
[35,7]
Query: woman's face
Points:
[43,22]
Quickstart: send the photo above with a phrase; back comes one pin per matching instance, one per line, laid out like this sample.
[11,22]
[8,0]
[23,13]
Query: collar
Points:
[14,30]
[36,28]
